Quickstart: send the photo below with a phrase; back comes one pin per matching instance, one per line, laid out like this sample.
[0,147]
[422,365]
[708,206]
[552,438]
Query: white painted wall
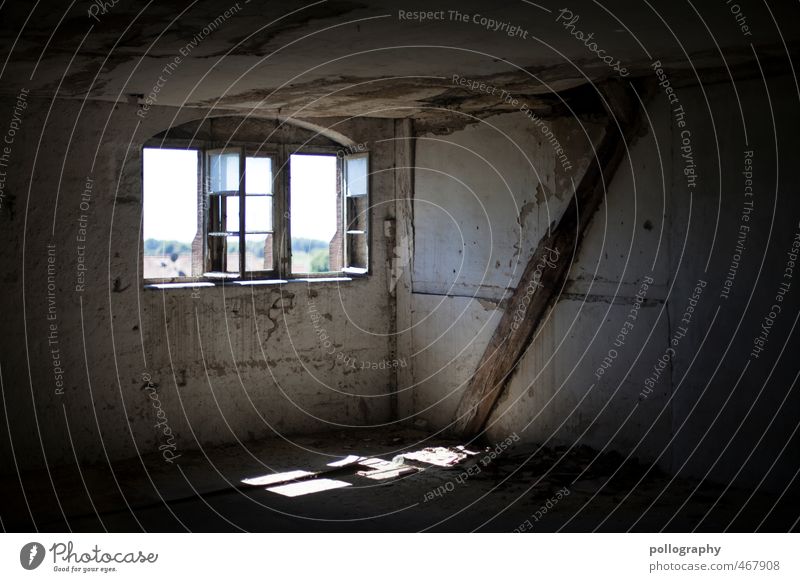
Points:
[642,230]
[233,364]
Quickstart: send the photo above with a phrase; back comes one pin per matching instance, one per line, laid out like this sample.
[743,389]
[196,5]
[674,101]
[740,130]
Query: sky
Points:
[170,195]
[313,188]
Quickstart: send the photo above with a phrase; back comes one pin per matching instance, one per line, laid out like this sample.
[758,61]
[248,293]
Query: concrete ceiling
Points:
[339,57]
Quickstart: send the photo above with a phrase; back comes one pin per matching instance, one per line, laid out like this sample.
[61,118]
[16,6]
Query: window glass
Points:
[314,213]
[356,247]
[356,172]
[169,213]
[230,224]
[232,257]
[259,252]
[232,213]
[258,214]
[258,175]
[224,172]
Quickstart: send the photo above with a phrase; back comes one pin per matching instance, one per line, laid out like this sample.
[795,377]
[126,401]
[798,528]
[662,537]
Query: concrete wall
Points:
[232,363]
[653,228]
[239,363]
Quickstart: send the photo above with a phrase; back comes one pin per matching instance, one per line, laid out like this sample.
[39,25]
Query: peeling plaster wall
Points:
[690,424]
[232,363]
[484,196]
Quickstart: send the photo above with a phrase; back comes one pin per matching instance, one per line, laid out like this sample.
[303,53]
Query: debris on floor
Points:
[381,470]
[439,456]
[558,466]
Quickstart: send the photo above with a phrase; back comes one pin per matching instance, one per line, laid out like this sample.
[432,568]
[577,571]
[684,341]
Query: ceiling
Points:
[338,57]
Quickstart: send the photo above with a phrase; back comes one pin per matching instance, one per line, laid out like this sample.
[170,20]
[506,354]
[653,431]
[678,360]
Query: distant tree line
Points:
[317,249]
[153,246]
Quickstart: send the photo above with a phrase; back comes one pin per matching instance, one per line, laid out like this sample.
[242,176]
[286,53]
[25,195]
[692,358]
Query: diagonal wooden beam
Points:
[547,270]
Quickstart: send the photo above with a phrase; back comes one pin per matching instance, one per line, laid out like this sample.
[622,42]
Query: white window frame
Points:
[281,207]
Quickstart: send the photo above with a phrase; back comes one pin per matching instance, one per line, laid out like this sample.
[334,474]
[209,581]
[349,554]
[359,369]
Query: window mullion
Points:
[242,210]
[281,226]
[203,211]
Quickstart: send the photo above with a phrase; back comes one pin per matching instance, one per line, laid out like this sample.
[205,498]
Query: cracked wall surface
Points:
[566,388]
[228,363]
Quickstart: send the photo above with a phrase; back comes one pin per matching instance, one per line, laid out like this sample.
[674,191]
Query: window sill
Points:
[250,283]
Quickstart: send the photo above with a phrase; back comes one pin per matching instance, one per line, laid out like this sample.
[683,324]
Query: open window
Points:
[240,214]
[356,215]
[248,212]
[316,223]
[170,213]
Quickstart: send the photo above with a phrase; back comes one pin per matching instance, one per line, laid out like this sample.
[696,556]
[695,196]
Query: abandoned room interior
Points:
[343,266]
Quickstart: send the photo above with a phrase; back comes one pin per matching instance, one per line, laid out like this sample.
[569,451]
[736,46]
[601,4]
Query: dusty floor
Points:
[522,489]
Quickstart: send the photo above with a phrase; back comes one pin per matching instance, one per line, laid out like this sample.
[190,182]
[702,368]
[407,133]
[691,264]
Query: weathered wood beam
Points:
[402,266]
[546,272]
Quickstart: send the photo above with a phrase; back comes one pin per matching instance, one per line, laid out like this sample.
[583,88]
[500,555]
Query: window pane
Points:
[214,214]
[357,211]
[356,250]
[357,214]
[313,222]
[259,252]
[169,219]
[232,250]
[258,175]
[224,172]
[232,213]
[258,213]
[356,171]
